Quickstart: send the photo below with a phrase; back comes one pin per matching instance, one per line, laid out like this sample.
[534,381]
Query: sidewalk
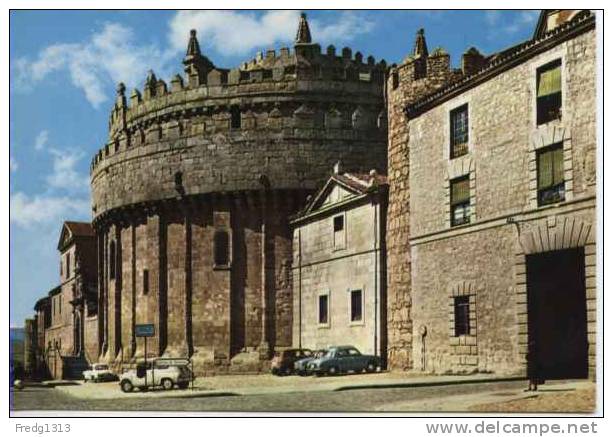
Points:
[240,385]
[546,399]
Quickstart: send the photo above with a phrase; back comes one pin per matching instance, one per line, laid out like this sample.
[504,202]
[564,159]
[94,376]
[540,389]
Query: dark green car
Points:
[344,359]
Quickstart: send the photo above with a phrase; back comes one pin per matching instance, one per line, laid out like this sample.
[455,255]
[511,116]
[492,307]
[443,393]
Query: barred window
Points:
[222,248]
[550,171]
[356,305]
[460,201]
[112,260]
[235,115]
[459,131]
[145,281]
[323,309]
[549,92]
[461,310]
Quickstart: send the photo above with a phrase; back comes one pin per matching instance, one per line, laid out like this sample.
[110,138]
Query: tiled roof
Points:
[360,181]
[80,229]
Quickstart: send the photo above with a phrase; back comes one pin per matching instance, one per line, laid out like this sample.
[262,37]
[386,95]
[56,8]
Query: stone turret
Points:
[421,73]
[421,48]
[197,66]
[303,36]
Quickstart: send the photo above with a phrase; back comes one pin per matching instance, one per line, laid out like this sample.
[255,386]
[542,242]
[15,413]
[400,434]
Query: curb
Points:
[428,383]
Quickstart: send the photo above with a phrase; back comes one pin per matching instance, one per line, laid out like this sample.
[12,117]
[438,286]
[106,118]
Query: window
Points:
[235,114]
[549,92]
[550,171]
[460,201]
[61,268]
[221,248]
[339,223]
[394,80]
[112,260]
[459,131]
[461,310]
[67,265]
[323,309]
[145,281]
[59,302]
[356,305]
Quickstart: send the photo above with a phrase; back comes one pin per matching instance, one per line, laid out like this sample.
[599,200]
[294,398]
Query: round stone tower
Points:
[193,191]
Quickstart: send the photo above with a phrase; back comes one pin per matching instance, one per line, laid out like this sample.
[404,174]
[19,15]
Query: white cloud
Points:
[509,24]
[236,33]
[345,28]
[232,32]
[65,175]
[28,211]
[113,54]
[110,56]
[13,165]
[41,140]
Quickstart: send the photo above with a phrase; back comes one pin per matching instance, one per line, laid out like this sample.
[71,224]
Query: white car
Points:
[155,374]
[99,372]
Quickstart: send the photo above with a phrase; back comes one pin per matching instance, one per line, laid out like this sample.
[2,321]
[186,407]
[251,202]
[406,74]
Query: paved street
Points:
[381,399]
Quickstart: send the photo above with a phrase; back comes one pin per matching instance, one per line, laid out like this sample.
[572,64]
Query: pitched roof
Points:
[357,183]
[80,229]
[72,230]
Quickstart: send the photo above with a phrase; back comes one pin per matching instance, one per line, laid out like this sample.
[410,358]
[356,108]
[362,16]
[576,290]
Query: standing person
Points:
[533,373]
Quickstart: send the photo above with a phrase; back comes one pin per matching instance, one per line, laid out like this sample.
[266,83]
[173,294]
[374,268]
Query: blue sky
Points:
[65,65]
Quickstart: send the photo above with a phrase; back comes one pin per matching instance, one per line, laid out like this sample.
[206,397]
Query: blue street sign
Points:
[145,330]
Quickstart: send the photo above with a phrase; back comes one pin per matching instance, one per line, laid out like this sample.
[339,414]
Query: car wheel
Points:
[288,371]
[370,367]
[332,370]
[126,386]
[167,384]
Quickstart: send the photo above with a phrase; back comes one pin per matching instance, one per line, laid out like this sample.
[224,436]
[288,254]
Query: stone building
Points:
[339,269]
[193,192]
[66,319]
[29,348]
[491,223]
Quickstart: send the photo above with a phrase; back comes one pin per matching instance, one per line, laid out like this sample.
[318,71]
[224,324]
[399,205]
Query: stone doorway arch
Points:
[548,235]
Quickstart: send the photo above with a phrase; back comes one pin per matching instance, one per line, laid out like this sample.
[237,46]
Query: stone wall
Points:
[501,164]
[406,83]
[207,311]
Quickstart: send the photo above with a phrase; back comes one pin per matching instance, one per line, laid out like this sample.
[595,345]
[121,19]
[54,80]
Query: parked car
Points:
[99,372]
[301,367]
[283,362]
[344,359]
[155,374]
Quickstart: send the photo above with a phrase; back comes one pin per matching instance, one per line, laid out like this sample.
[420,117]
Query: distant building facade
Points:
[66,319]
[492,223]
[339,272]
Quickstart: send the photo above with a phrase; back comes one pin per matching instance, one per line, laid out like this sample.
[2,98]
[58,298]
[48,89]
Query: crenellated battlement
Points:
[289,114]
[267,74]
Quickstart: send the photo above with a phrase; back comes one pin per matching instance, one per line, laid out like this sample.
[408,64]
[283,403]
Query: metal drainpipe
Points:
[376,291]
[300,288]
